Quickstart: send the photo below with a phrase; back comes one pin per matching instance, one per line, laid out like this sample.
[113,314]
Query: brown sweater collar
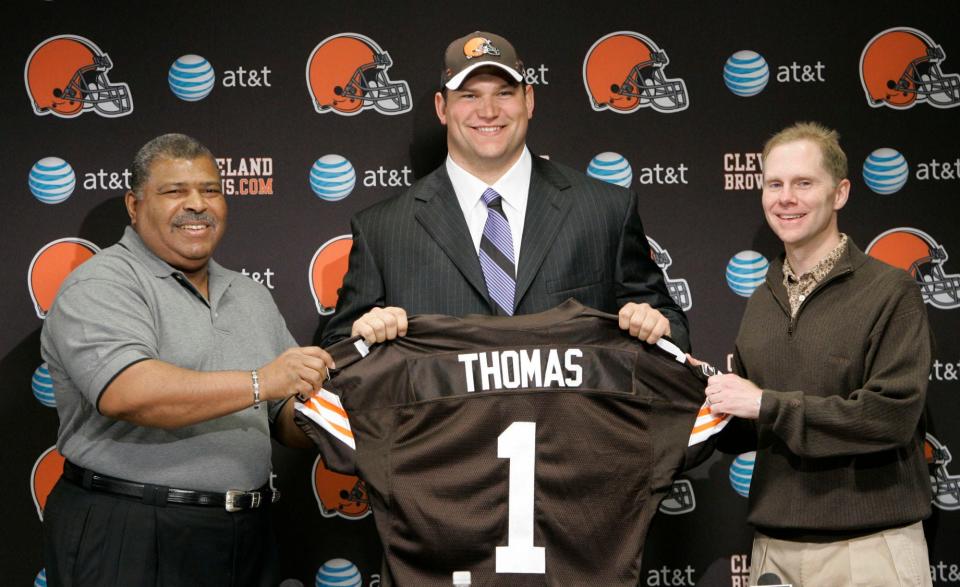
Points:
[851,260]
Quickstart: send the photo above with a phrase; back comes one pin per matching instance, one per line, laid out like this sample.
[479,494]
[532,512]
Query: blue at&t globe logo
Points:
[191,78]
[885,171]
[332,178]
[746,271]
[52,180]
[42,386]
[612,168]
[746,73]
[741,472]
[338,572]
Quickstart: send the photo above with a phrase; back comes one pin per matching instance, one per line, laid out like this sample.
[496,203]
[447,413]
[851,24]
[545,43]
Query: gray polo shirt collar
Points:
[220,278]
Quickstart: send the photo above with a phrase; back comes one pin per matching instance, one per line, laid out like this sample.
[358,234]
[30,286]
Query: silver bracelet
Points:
[256,389]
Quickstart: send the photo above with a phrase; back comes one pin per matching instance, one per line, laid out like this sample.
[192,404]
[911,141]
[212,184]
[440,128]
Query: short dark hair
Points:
[168,146]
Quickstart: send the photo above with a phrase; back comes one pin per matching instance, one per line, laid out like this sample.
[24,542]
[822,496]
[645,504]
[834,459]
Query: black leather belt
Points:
[233,500]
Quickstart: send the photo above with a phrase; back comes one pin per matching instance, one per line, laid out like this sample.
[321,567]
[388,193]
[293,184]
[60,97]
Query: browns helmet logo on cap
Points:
[478,47]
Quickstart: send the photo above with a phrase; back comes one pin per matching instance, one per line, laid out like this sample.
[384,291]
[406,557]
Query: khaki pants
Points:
[896,557]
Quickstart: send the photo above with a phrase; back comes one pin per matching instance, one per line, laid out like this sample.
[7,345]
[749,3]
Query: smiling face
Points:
[486,120]
[182,213]
[801,200]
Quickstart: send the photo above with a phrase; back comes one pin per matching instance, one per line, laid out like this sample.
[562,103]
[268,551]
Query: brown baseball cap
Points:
[478,49]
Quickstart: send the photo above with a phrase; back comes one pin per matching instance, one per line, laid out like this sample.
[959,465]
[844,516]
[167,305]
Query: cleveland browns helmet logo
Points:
[327,269]
[66,76]
[918,254]
[347,73]
[46,472]
[338,494]
[680,499]
[478,47]
[624,71]
[900,68]
[679,289]
[51,265]
[946,487]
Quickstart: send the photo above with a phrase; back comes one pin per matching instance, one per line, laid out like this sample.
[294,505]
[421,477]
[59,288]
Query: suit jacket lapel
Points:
[441,217]
[547,206]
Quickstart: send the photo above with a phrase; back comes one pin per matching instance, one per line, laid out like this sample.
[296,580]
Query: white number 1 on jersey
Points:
[519,444]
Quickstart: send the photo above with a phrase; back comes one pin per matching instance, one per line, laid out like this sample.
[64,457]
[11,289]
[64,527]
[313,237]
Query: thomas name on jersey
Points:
[522,369]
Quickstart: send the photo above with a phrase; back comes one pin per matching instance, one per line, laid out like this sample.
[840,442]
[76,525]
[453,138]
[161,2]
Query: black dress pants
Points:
[98,539]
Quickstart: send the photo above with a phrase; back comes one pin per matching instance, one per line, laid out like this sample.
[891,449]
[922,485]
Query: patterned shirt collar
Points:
[799,287]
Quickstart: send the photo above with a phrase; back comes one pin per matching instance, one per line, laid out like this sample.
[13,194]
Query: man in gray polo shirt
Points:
[170,374]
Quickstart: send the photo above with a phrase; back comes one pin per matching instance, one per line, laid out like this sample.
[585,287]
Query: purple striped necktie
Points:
[496,255]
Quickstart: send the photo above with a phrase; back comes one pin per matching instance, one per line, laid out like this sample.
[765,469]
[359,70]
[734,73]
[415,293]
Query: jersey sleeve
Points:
[323,418]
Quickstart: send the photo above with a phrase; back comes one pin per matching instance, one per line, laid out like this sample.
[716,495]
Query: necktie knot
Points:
[492,199]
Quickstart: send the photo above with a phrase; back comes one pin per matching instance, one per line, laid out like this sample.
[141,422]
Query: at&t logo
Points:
[746,271]
[52,180]
[332,178]
[885,171]
[339,572]
[746,73]
[42,386]
[741,473]
[191,78]
[612,168]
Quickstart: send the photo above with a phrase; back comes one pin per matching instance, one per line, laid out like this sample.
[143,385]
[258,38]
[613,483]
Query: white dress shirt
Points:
[513,187]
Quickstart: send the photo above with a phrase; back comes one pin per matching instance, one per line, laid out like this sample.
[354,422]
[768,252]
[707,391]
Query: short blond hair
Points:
[833,159]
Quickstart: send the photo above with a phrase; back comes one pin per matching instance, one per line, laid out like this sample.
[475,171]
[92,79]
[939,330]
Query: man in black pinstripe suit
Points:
[572,236]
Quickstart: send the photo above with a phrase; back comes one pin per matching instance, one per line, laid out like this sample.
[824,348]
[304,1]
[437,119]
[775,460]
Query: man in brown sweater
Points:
[832,360]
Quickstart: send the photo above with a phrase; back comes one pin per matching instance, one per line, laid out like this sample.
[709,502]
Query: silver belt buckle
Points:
[230,502]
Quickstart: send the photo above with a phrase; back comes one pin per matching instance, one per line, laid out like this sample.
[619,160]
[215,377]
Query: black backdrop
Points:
[813,54]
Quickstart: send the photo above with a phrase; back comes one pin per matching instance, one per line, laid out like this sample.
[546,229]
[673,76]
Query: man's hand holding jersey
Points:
[644,322]
[379,324]
[297,370]
[731,394]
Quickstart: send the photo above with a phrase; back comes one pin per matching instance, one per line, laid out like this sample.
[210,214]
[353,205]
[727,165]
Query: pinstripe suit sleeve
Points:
[640,280]
[362,288]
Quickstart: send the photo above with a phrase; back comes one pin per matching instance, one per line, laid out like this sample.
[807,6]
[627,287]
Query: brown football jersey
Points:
[528,450]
